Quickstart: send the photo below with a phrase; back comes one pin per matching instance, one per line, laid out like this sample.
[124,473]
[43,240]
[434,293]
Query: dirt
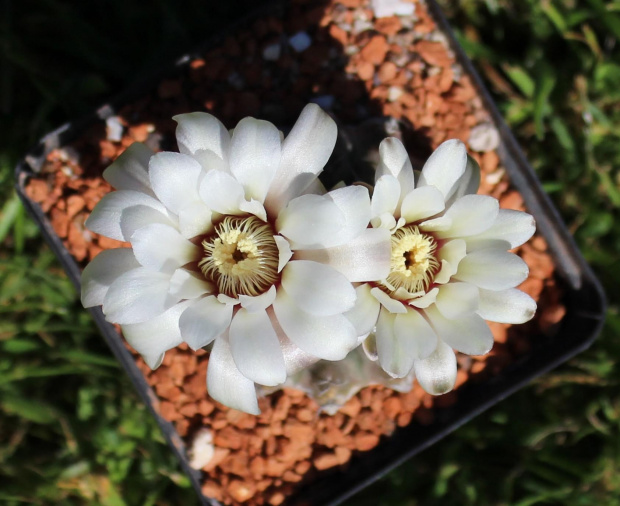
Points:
[358,67]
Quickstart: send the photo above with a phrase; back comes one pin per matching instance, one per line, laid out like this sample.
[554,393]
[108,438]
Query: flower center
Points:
[413,264]
[241,256]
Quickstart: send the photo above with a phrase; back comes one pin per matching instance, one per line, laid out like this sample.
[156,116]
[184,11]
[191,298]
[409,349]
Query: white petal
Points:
[394,160]
[513,227]
[470,335]
[106,216]
[203,321]
[260,302]
[470,215]
[468,183]
[365,312]
[316,187]
[445,273]
[305,152]
[386,221]
[317,289]
[439,224]
[194,219]
[385,196]
[255,348]
[154,337]
[253,207]
[284,251]
[392,305]
[437,373]
[445,167]
[174,177]
[412,326]
[370,347]
[225,299]
[200,131]
[354,203]
[506,306]
[310,221]
[255,156]
[396,352]
[186,284]
[136,217]
[326,337]
[450,255]
[422,203]
[226,384]
[405,295]
[426,299]
[456,300]
[154,361]
[221,192]
[295,359]
[162,248]
[209,161]
[103,271]
[137,296]
[365,258]
[130,170]
[492,269]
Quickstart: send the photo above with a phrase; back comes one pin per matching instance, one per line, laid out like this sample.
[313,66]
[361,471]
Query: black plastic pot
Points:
[583,298]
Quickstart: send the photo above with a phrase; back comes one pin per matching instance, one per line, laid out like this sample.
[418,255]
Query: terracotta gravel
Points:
[357,67]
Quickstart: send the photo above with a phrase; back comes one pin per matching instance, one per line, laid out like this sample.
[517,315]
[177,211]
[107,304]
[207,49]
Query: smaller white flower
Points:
[450,268]
[235,242]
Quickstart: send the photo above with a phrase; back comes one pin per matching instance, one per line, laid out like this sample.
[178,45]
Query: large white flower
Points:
[234,240]
[450,268]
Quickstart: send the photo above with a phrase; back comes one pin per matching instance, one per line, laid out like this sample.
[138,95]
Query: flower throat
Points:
[413,264]
[241,256]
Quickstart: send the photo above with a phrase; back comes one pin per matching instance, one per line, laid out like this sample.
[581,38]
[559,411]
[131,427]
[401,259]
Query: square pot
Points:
[363,68]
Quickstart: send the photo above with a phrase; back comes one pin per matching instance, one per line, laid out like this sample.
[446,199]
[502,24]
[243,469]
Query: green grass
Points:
[71,429]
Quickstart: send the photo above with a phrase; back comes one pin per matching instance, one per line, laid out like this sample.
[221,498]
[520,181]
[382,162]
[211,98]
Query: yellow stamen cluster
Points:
[241,256]
[413,264]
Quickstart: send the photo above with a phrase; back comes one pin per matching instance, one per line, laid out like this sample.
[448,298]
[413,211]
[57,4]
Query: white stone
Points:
[114,129]
[272,52]
[201,450]
[300,41]
[387,8]
[484,137]
[394,93]
[494,177]
[362,25]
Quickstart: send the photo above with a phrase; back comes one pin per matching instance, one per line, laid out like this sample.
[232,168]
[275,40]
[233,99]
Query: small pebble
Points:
[300,41]
[361,25]
[394,93]
[484,137]
[387,8]
[272,52]
[201,449]
[114,129]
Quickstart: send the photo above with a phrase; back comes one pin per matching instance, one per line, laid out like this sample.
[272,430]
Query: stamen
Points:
[413,264]
[241,256]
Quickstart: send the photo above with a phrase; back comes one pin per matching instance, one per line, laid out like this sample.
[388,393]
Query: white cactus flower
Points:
[450,268]
[234,241]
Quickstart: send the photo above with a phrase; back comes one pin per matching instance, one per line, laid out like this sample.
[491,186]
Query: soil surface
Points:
[357,66]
